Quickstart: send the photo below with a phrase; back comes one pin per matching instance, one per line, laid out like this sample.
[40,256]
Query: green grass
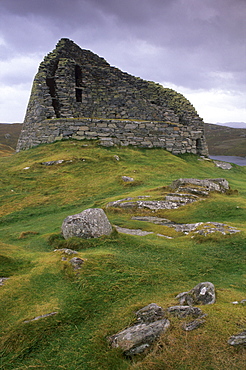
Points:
[121,273]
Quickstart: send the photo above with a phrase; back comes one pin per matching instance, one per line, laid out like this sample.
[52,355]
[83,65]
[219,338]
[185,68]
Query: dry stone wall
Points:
[175,138]
[73,86]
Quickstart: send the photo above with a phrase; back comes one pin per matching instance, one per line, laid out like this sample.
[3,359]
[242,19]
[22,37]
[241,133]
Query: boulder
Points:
[202,293]
[139,337]
[91,223]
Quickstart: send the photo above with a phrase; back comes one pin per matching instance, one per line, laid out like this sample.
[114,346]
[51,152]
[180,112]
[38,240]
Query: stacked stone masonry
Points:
[78,94]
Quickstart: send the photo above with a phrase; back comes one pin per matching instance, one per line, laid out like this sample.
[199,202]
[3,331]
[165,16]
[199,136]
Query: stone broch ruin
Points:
[76,94]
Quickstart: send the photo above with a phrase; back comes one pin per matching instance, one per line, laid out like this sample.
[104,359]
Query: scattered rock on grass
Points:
[50,163]
[139,337]
[202,293]
[127,179]
[76,263]
[238,339]
[184,311]
[192,325]
[66,251]
[223,165]
[40,317]
[2,280]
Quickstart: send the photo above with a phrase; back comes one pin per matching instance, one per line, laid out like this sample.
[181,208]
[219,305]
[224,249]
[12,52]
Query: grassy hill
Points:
[224,140]
[121,273]
[9,134]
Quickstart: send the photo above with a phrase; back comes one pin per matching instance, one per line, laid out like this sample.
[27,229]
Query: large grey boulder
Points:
[202,293]
[91,223]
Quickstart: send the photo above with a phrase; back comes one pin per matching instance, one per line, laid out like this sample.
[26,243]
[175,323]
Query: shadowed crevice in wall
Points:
[51,83]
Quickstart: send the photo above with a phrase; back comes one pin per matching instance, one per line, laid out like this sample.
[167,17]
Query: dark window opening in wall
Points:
[198,146]
[78,76]
[78,93]
[50,82]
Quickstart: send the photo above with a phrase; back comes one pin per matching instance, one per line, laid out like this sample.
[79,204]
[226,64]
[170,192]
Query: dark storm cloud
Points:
[198,44]
[193,36]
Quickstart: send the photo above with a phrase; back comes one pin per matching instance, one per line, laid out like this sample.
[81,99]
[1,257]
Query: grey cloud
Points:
[192,37]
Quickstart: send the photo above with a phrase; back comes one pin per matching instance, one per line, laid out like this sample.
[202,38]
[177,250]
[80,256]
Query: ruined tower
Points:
[78,94]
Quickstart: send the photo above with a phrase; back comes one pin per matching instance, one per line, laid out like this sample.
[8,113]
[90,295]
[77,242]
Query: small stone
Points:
[150,313]
[127,179]
[2,280]
[238,339]
[192,325]
[66,251]
[76,262]
[41,317]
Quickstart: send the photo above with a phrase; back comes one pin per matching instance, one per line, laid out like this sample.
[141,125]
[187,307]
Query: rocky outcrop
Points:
[91,223]
[200,187]
[137,232]
[151,322]
[186,191]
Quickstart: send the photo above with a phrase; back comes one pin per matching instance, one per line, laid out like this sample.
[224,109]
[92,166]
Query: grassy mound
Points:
[121,273]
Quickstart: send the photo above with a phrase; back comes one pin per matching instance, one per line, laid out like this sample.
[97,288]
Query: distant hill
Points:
[233,124]
[223,140]
[9,134]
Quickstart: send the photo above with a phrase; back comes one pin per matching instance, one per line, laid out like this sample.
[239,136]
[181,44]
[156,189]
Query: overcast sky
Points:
[197,47]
